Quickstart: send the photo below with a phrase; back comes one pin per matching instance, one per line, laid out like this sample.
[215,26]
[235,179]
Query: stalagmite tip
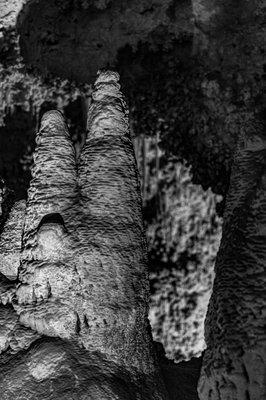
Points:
[107,77]
[53,122]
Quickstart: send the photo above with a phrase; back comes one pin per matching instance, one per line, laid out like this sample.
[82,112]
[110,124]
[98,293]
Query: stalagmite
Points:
[112,256]
[111,231]
[234,366]
[46,271]
[83,285]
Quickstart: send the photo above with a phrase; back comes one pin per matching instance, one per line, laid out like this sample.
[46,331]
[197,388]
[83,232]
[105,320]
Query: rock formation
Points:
[234,365]
[193,76]
[74,299]
[81,296]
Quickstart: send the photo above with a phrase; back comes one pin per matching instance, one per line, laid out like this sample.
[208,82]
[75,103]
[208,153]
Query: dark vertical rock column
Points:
[229,46]
[229,42]
[234,365]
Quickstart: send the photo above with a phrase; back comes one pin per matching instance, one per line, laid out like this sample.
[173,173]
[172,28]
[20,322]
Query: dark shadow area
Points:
[53,218]
[73,39]
[163,87]
[17,141]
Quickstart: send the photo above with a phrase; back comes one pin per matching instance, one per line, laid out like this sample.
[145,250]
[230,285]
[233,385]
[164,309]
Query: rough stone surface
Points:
[55,369]
[83,283]
[234,365]
[231,38]
[224,75]
[11,240]
[46,244]
[183,240]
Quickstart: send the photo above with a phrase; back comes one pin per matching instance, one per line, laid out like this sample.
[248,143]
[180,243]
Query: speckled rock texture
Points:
[11,240]
[234,365]
[79,305]
[183,241]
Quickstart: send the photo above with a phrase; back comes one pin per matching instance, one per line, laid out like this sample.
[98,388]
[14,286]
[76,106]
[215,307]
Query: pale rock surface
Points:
[82,296]
[11,240]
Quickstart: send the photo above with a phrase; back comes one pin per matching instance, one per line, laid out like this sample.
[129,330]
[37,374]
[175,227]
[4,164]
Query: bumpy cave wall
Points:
[192,73]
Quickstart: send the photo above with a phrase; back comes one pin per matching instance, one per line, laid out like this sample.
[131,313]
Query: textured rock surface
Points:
[83,281]
[46,244]
[234,365]
[183,241]
[224,76]
[231,37]
[11,240]
[59,370]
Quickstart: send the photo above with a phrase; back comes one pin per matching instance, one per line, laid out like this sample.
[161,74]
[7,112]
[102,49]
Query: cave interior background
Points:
[186,108]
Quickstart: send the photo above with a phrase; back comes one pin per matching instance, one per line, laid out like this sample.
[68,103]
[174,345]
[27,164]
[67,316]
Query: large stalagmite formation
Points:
[230,39]
[200,104]
[82,288]
[74,319]
[234,365]
[46,270]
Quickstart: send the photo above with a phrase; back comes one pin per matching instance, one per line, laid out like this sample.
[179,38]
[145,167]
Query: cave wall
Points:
[192,74]
[192,71]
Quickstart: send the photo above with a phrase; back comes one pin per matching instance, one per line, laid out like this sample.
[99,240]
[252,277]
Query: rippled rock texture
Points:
[234,365]
[79,302]
[193,75]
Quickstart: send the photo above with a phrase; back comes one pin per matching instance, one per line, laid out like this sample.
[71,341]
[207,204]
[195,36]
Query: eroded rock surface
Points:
[234,365]
[11,240]
[82,282]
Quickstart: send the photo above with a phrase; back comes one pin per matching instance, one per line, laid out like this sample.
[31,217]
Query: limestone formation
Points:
[46,270]
[231,38]
[234,366]
[80,306]
[11,240]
